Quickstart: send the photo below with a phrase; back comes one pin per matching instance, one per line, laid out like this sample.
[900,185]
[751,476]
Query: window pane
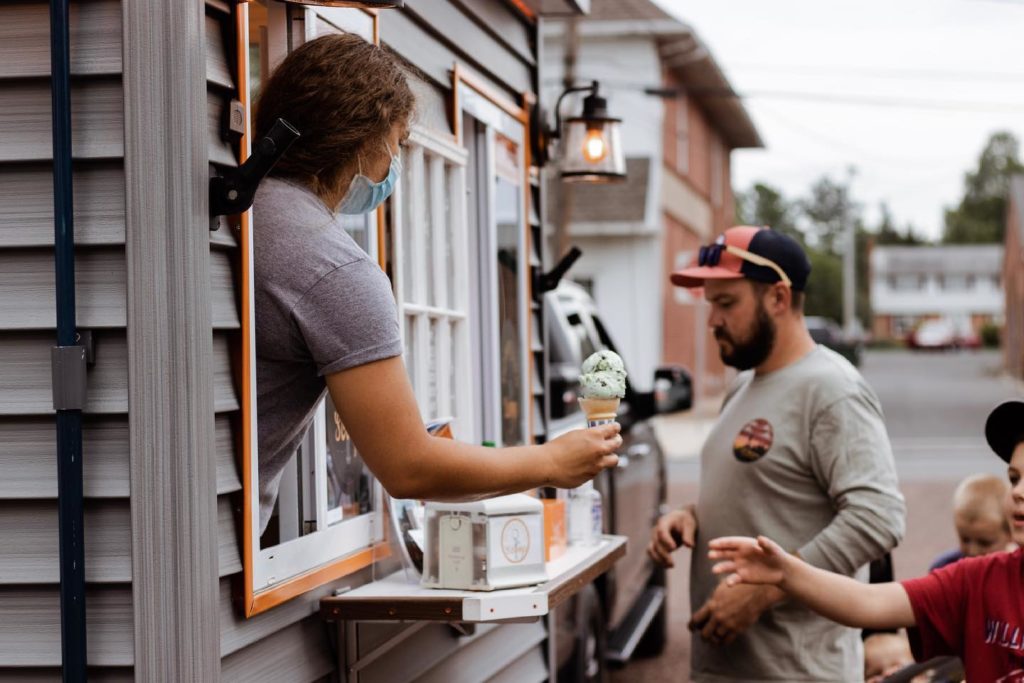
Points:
[410,349]
[259,61]
[434,361]
[407,230]
[453,364]
[508,206]
[358,228]
[426,228]
[349,481]
[450,229]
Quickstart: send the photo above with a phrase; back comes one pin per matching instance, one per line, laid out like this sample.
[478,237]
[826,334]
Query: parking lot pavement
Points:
[682,434]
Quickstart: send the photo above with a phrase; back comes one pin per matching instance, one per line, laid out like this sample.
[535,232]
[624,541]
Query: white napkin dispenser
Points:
[484,545]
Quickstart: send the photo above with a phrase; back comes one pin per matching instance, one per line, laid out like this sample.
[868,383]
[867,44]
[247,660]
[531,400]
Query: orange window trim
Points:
[296,586]
[524,9]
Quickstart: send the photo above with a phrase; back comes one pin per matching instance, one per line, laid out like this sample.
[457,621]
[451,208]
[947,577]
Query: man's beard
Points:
[755,349]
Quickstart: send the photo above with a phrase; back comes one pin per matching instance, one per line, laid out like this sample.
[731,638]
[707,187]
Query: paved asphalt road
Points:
[935,407]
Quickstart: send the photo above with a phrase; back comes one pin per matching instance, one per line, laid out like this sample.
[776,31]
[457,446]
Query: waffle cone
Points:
[600,408]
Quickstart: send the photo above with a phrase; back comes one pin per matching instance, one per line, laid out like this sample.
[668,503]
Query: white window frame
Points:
[496,120]
[444,378]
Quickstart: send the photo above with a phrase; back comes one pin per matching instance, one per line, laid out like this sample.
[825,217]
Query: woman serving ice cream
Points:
[325,315]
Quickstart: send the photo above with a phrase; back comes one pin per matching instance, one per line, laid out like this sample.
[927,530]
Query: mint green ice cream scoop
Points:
[604,376]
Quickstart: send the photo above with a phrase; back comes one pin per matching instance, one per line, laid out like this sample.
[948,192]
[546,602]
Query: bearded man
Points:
[799,452]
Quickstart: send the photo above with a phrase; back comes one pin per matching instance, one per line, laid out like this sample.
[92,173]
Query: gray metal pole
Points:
[849,276]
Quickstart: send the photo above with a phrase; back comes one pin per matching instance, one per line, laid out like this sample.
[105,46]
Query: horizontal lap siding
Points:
[443,655]
[30,647]
[25,374]
[27,447]
[26,204]
[30,627]
[28,532]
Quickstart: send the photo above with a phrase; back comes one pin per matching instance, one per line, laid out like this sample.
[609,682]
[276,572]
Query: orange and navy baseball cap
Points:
[1004,428]
[760,254]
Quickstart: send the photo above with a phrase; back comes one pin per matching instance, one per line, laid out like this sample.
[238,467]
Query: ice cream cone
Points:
[599,411]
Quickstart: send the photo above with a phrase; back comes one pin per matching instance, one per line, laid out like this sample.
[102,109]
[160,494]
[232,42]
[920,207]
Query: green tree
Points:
[980,217]
[828,209]
[888,233]
[824,293]
[763,204]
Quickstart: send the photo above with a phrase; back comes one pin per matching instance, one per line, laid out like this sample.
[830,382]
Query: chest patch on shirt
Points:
[754,440]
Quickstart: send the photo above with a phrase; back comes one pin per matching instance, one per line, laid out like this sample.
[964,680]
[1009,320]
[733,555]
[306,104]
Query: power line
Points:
[885,72]
[822,97]
[831,98]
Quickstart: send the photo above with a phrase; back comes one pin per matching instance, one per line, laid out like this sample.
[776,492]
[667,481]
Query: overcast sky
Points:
[804,63]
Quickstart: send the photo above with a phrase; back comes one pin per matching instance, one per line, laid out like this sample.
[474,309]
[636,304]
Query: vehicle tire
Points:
[655,638]
[587,664]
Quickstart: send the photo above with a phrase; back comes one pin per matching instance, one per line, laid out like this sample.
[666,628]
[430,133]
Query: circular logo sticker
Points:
[754,441]
[515,540]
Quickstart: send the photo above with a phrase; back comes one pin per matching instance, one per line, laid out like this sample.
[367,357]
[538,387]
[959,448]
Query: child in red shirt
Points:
[973,609]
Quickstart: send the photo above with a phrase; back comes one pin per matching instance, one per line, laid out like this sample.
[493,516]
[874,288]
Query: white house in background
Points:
[678,193]
[961,283]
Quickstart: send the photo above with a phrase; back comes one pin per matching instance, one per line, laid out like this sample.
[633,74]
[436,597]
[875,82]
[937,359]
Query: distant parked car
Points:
[943,333]
[827,332]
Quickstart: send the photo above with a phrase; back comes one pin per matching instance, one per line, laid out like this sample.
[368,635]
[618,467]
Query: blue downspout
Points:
[69,412]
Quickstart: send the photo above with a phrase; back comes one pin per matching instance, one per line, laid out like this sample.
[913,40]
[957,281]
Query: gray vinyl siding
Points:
[493,653]
[30,647]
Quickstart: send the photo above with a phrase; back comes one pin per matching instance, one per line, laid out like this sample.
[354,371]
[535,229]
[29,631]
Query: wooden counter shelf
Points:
[395,598]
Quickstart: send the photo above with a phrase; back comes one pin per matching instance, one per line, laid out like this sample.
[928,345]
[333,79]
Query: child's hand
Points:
[748,560]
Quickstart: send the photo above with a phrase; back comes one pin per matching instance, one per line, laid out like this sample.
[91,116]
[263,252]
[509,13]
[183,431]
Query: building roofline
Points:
[683,52]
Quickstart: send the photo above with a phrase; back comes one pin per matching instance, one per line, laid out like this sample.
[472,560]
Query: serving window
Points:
[328,520]
[494,132]
[454,240]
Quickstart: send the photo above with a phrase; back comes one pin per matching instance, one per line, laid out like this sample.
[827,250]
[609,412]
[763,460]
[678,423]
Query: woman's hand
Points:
[673,530]
[749,560]
[580,455]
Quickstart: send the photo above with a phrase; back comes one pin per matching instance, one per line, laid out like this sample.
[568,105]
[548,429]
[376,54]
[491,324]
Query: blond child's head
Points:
[979,513]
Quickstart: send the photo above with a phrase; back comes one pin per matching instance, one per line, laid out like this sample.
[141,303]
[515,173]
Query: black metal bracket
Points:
[545,282]
[84,338]
[234,190]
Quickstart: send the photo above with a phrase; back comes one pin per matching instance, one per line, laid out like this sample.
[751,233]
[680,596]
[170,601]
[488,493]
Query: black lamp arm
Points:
[592,89]
[545,282]
[234,190]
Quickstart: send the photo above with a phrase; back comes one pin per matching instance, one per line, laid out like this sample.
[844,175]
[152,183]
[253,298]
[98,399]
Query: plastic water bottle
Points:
[585,515]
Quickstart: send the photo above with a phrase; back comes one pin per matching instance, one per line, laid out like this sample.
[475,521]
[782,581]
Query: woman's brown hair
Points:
[342,94]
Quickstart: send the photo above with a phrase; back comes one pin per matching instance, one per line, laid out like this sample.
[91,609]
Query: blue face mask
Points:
[364,195]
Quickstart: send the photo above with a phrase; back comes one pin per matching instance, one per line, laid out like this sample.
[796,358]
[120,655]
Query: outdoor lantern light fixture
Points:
[592,143]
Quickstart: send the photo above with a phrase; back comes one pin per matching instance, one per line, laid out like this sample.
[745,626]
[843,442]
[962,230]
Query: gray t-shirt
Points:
[322,306]
[799,455]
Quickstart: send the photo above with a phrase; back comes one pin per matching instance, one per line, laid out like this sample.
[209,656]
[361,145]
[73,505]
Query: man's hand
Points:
[673,530]
[580,455]
[731,610]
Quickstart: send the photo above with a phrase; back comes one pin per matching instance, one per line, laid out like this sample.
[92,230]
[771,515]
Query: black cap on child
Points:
[1004,428]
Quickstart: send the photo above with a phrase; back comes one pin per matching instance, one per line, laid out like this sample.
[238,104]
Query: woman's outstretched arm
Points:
[377,406]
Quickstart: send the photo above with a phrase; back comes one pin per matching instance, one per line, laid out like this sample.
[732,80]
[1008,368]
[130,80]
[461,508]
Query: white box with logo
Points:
[484,545]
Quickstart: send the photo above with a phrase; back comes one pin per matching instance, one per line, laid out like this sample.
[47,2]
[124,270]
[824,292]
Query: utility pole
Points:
[849,275]
[849,258]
